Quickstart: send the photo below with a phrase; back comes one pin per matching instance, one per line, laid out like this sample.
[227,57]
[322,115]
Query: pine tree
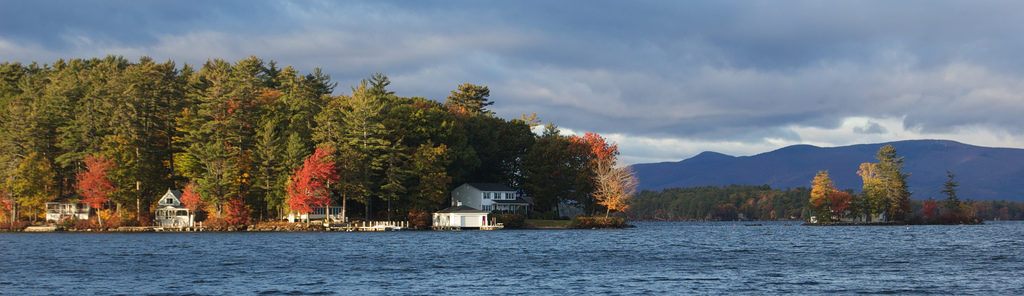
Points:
[952,203]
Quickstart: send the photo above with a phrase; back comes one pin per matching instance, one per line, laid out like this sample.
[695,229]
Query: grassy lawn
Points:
[534,223]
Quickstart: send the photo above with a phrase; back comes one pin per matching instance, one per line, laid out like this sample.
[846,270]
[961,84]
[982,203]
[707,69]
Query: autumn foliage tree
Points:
[885,185]
[929,209]
[822,187]
[238,212]
[190,198]
[613,185]
[308,187]
[93,183]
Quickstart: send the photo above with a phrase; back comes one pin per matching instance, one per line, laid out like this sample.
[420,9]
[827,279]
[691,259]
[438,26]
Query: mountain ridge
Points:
[984,173]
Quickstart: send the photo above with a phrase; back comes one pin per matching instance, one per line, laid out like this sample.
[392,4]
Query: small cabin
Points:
[171,213]
[459,217]
[318,213]
[59,210]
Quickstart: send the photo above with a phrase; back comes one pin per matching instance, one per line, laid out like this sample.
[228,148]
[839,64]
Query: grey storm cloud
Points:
[738,71]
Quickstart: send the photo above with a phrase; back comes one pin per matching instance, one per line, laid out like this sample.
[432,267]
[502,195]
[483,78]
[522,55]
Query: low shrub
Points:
[420,219]
[510,221]
[583,222]
[14,226]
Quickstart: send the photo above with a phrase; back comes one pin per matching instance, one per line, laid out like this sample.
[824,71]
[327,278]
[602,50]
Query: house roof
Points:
[462,209]
[176,193]
[491,187]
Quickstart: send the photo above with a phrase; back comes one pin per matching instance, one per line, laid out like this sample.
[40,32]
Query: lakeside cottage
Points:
[318,213]
[171,213]
[65,208]
[459,217]
[489,197]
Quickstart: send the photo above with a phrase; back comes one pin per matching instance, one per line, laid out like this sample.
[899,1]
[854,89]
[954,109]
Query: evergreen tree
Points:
[952,203]
[470,98]
[363,131]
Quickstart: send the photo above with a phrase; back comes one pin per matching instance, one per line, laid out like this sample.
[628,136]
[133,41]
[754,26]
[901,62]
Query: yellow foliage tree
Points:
[822,188]
[34,184]
[613,186]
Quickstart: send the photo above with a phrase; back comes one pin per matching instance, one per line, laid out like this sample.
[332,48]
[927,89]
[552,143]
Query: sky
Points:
[665,80]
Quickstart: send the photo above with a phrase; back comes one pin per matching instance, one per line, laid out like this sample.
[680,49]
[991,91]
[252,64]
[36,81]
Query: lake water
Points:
[654,258]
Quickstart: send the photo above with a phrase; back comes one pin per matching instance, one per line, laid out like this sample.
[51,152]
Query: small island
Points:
[885,198]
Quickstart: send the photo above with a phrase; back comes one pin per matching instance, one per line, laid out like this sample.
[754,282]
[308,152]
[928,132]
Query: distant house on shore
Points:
[318,213]
[66,208]
[489,197]
[171,213]
[459,217]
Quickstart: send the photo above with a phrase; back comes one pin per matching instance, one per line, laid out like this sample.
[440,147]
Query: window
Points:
[485,195]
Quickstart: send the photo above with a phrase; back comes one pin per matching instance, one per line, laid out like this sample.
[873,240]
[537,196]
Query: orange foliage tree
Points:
[828,201]
[599,148]
[613,185]
[238,212]
[93,183]
[308,186]
[191,199]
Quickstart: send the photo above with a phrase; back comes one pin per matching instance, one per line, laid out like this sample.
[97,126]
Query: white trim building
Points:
[459,217]
[171,213]
[57,210]
[489,197]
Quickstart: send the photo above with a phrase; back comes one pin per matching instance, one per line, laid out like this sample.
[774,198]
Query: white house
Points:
[319,213]
[489,197]
[171,213]
[57,210]
[460,216]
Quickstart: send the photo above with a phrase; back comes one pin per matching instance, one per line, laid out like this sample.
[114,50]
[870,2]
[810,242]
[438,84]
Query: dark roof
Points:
[176,193]
[461,209]
[514,201]
[491,187]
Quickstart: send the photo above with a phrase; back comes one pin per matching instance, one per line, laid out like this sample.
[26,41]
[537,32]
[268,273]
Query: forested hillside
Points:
[984,173]
[239,131]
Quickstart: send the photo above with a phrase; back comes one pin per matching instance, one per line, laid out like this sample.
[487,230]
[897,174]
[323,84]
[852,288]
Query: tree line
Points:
[726,203]
[236,137]
[762,203]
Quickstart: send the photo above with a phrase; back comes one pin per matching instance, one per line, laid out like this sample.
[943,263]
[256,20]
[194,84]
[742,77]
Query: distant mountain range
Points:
[983,173]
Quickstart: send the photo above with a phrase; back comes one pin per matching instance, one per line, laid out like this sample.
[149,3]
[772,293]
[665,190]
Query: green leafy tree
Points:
[34,184]
[885,184]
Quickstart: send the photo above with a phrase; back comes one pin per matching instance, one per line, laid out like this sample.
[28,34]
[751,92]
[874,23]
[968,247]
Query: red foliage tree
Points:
[6,200]
[238,212]
[930,208]
[93,183]
[839,203]
[598,146]
[190,198]
[308,186]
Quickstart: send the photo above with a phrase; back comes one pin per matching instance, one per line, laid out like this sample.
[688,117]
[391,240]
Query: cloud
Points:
[668,79]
